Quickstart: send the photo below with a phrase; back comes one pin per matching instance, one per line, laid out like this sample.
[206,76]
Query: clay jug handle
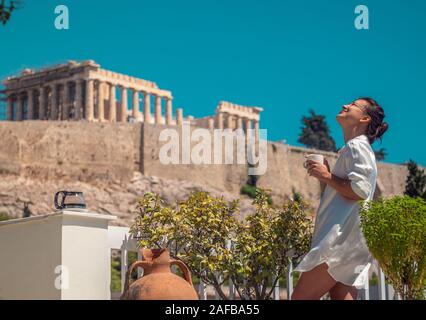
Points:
[184,268]
[136,264]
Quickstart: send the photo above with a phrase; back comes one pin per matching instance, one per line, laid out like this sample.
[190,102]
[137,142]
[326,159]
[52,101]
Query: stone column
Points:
[112,104]
[78,112]
[211,123]
[101,102]
[247,123]
[30,114]
[179,116]
[157,110]
[42,104]
[54,103]
[256,129]
[135,109]
[229,121]
[89,100]
[10,107]
[19,106]
[65,102]
[147,108]
[123,112]
[239,123]
[168,111]
[219,120]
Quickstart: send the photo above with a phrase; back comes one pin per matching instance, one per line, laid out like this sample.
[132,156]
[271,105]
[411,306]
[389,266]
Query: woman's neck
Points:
[350,133]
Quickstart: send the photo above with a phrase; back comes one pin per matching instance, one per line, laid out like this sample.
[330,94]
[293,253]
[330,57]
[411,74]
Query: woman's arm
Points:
[343,186]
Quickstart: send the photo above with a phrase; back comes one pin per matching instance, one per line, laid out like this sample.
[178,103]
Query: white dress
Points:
[337,238]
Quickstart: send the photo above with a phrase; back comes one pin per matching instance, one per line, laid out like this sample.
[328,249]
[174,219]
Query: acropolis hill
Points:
[72,127]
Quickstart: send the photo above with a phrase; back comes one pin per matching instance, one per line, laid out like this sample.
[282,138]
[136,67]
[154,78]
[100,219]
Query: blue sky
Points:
[285,56]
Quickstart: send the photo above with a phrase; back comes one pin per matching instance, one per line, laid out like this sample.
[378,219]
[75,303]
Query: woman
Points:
[339,259]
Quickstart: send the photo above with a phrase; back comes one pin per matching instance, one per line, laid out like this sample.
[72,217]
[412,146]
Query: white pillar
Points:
[78,112]
[256,130]
[66,102]
[112,104]
[135,108]
[30,114]
[229,121]
[42,104]
[211,123]
[220,120]
[19,107]
[123,111]
[247,123]
[179,116]
[89,100]
[147,108]
[239,123]
[74,263]
[169,111]
[101,102]
[157,110]
[53,102]
[10,107]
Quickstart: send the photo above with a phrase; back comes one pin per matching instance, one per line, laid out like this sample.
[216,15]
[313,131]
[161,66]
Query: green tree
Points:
[395,231]
[380,154]
[7,7]
[265,243]
[196,231]
[415,184]
[204,232]
[316,133]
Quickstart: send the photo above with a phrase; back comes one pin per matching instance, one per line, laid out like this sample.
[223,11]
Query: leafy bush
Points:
[264,244]
[199,231]
[4,216]
[248,190]
[395,231]
[251,192]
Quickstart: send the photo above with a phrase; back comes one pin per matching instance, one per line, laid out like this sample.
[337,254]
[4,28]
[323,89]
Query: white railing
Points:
[120,239]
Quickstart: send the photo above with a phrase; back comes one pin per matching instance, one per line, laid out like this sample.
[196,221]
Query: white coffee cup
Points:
[314,157]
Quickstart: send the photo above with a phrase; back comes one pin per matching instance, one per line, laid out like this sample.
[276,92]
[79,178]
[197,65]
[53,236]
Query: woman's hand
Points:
[323,174]
[320,171]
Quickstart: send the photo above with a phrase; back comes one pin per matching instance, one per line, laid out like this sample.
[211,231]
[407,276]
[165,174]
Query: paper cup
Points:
[314,157]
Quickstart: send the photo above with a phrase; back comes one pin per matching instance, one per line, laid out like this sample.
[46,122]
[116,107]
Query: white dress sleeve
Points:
[360,168]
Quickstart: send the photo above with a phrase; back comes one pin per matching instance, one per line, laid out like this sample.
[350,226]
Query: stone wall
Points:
[106,155]
[78,150]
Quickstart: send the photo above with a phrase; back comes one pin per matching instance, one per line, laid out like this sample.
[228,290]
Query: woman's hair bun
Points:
[377,126]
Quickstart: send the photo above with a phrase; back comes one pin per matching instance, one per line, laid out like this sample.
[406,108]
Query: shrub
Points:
[251,192]
[248,191]
[199,231]
[4,216]
[395,231]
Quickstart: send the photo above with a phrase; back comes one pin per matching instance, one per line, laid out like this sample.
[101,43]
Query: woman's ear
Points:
[365,119]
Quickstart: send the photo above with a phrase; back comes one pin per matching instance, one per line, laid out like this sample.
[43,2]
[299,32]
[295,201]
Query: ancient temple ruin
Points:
[85,91]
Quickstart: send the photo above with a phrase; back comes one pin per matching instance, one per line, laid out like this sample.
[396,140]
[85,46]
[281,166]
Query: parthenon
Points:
[84,91]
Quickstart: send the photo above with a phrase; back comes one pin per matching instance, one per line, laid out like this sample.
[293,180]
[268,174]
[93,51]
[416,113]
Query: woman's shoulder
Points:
[361,148]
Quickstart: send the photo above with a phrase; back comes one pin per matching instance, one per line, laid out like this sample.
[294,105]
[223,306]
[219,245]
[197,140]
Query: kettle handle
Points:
[184,268]
[55,201]
[136,264]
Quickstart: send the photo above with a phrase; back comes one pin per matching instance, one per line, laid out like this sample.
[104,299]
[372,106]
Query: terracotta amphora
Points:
[158,282]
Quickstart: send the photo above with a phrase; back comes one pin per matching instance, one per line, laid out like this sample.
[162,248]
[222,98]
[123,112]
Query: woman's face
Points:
[353,114]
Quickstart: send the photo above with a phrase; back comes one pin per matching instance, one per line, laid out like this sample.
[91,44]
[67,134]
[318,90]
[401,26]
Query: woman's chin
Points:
[339,119]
